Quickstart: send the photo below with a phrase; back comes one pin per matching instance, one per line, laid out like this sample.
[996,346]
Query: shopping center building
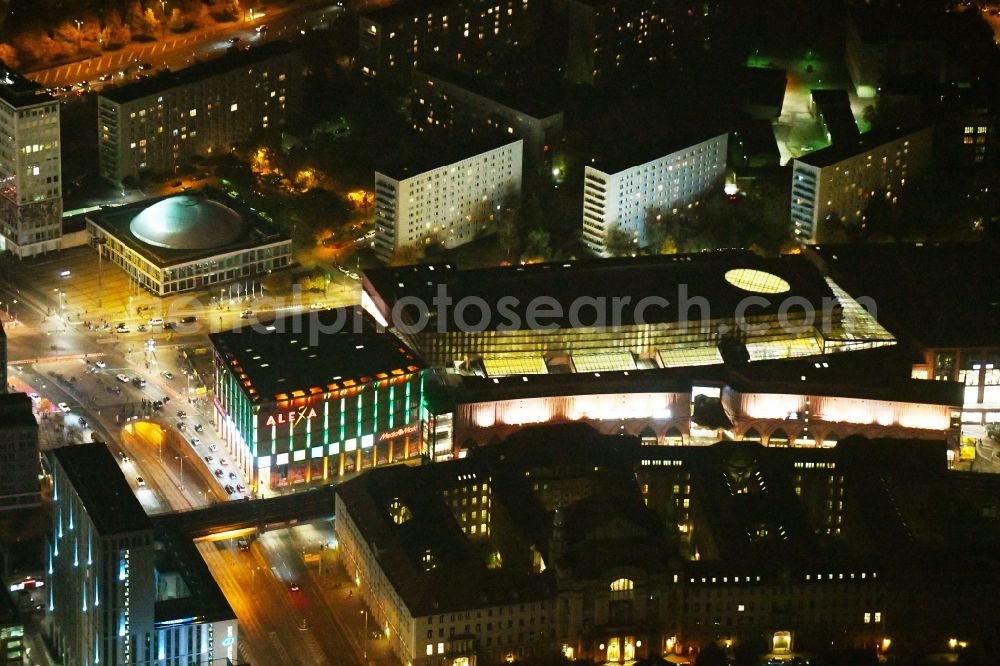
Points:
[311,397]
[188,241]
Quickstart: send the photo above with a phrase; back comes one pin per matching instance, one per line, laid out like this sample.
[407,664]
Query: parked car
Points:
[213,447]
[219,473]
[181,426]
[156,321]
[232,475]
[209,459]
[166,374]
[229,489]
[141,482]
[240,488]
[121,328]
[100,364]
[195,441]
[198,427]
[123,378]
[223,461]
[181,413]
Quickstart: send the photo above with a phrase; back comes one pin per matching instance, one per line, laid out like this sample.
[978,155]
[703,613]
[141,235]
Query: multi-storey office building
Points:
[100,562]
[19,485]
[189,241]
[115,594]
[618,314]
[622,196]
[11,632]
[447,199]
[835,185]
[449,99]
[30,167]
[609,38]
[313,396]
[560,539]
[396,38]
[159,123]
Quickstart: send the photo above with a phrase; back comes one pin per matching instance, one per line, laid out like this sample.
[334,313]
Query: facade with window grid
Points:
[625,199]
[395,39]
[158,124]
[30,167]
[451,205]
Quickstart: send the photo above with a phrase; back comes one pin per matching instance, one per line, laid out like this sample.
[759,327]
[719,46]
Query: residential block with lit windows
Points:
[833,186]
[624,195]
[454,197]
[610,39]
[30,167]
[456,33]
[116,592]
[560,539]
[159,123]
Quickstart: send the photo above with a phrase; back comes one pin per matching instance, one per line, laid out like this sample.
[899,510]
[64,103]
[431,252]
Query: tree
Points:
[405,256]
[537,247]
[620,243]
[711,655]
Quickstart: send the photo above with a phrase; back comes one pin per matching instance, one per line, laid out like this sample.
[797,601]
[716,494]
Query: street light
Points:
[181,458]
[364,638]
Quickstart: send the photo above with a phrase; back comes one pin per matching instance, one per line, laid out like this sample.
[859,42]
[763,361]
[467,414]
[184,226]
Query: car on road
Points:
[168,325]
[213,447]
[294,587]
[165,399]
[317,306]
[229,489]
[121,328]
[195,441]
[123,457]
[141,482]
[198,427]
[100,364]
[141,328]
[190,319]
[209,459]
[246,314]
[234,40]
[144,66]
[223,461]
[166,374]
[181,413]
[83,422]
[63,406]
[243,544]
[219,473]
[34,396]
[139,381]
[123,378]
[232,475]
[156,321]
[240,488]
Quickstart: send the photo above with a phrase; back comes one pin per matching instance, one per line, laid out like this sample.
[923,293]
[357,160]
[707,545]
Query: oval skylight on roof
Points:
[760,282]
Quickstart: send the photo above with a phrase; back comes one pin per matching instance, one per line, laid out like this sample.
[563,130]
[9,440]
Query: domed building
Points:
[188,242]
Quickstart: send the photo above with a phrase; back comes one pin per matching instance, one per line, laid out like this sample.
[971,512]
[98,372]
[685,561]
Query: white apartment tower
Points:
[838,182]
[450,204]
[624,197]
[30,167]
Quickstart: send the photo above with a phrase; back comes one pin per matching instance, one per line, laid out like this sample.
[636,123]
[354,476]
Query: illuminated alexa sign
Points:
[291,417]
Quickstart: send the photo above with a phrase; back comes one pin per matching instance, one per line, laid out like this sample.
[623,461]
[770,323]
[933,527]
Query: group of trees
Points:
[86,29]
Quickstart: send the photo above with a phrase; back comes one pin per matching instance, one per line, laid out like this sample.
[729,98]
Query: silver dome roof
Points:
[188,222]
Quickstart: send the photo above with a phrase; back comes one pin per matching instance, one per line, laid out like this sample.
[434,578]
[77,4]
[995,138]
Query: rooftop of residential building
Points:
[312,352]
[838,152]
[16,410]
[433,149]
[19,91]
[235,58]
[538,101]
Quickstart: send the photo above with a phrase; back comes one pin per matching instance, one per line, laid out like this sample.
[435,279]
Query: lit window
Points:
[868,618]
[193,112]
[233,106]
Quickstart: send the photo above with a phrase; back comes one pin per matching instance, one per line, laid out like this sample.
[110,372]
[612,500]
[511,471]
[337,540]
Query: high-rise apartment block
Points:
[608,37]
[30,167]
[19,486]
[393,39]
[837,183]
[159,123]
[623,195]
[115,595]
[450,99]
[448,201]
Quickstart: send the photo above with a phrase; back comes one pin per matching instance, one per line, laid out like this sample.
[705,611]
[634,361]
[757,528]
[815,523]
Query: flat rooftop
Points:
[234,59]
[626,154]
[838,152]
[942,295]
[834,105]
[312,352]
[200,596]
[16,409]
[19,91]
[102,488]
[434,149]
[535,101]
[117,222]
[697,276]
